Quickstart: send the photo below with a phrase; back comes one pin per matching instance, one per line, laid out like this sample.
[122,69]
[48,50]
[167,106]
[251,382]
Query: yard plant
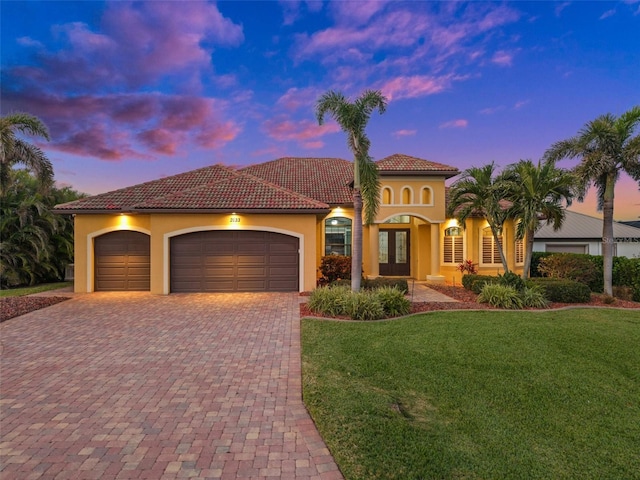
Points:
[478,395]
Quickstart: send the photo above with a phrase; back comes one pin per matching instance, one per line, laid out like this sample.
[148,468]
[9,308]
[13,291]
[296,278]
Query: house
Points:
[266,227]
[583,234]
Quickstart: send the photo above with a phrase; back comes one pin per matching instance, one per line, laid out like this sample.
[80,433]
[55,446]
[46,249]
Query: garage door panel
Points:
[122,261]
[234,260]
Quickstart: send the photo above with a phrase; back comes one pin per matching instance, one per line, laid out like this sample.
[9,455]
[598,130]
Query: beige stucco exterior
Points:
[422,199]
[161,227]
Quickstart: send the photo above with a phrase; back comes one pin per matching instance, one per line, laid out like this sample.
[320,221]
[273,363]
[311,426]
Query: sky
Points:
[134,91]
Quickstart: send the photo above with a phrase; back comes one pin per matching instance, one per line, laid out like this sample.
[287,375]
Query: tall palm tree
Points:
[353,118]
[606,147]
[480,192]
[537,193]
[14,150]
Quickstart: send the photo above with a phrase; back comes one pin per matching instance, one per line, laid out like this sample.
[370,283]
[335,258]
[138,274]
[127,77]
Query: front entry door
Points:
[393,256]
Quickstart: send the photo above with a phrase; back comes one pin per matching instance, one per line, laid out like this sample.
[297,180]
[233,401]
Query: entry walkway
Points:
[135,385]
[420,292]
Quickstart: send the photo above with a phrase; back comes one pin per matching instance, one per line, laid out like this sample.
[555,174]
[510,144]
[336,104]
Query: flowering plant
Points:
[468,267]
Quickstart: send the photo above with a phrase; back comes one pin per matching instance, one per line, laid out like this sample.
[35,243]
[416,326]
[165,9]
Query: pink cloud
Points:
[414,86]
[119,126]
[459,123]
[491,110]
[502,58]
[521,104]
[282,128]
[296,98]
[356,12]
[404,133]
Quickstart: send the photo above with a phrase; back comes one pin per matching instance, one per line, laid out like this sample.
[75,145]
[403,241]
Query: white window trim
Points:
[464,248]
[411,200]
[391,197]
[481,263]
[430,204]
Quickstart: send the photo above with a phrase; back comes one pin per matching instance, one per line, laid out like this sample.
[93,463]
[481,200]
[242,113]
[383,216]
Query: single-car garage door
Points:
[234,261]
[122,261]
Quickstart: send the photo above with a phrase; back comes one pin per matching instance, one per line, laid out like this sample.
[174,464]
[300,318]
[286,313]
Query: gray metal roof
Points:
[578,225]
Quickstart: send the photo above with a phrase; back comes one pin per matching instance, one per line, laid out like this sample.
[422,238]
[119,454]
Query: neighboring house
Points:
[265,228]
[583,234]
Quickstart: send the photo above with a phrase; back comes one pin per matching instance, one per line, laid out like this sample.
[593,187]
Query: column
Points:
[374,251]
[435,276]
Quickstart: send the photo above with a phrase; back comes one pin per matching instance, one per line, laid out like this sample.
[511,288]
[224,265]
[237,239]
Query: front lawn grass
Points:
[44,287]
[478,395]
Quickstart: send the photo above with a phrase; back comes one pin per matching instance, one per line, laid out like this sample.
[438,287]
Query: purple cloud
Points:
[459,123]
[404,133]
[414,86]
[305,132]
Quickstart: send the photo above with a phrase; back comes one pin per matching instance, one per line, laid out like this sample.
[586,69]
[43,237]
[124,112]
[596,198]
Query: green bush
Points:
[500,296]
[364,305]
[561,290]
[533,297]
[329,301]
[476,282]
[626,273]
[339,300]
[585,269]
[376,283]
[512,279]
[535,262]
[393,301]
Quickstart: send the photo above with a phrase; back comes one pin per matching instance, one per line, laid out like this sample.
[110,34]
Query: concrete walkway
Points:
[420,292]
[133,385]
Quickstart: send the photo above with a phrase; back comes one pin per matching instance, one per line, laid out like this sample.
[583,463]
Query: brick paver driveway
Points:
[142,386]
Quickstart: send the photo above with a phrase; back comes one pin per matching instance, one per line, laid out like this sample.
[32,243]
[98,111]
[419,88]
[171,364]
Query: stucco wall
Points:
[161,227]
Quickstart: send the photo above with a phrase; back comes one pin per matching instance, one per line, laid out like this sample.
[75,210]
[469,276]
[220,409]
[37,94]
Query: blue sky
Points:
[135,91]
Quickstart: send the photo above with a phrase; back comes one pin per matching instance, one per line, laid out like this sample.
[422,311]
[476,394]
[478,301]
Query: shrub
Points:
[626,272]
[563,291]
[329,301]
[338,300]
[608,299]
[365,305]
[623,293]
[334,267]
[475,282]
[376,283]
[582,268]
[535,262]
[511,279]
[500,296]
[533,297]
[468,267]
[393,301]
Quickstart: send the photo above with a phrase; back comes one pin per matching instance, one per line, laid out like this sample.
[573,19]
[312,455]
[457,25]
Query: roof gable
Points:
[406,164]
[578,225]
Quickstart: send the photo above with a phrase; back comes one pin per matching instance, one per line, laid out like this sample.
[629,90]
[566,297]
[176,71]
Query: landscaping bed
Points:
[11,307]
[467,300]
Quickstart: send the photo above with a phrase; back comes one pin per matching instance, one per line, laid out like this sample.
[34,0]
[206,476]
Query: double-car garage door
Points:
[210,261]
[234,261]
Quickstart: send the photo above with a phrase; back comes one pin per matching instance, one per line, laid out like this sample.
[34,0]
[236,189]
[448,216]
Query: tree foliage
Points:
[35,244]
[606,147]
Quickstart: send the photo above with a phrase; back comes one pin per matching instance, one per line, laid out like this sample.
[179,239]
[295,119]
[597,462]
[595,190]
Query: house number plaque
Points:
[234,219]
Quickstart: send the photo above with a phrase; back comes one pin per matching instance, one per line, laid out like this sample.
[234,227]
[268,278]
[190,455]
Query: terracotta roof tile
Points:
[405,163]
[240,191]
[127,198]
[324,179]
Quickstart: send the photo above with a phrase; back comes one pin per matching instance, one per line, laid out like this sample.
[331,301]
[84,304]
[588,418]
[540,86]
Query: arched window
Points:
[337,236]
[387,196]
[407,196]
[426,196]
[453,246]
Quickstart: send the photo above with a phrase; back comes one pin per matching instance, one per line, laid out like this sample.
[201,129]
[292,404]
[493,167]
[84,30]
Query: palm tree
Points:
[606,147]
[537,193]
[479,192]
[353,118]
[15,151]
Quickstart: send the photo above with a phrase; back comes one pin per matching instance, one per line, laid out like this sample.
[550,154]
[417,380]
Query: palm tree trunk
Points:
[607,235]
[356,248]
[528,253]
[503,259]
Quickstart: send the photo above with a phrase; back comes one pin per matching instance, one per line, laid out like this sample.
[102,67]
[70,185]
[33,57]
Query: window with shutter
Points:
[490,250]
[453,246]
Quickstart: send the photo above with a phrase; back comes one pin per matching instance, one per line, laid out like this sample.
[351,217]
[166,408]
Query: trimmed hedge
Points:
[562,290]
[475,282]
[377,283]
[373,304]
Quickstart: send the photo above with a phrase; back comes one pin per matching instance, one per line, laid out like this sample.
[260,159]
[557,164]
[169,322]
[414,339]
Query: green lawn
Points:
[479,395]
[16,292]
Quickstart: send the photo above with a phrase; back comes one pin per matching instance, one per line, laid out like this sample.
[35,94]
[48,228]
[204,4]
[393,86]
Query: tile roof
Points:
[287,183]
[324,179]
[405,163]
[127,198]
[580,226]
[239,192]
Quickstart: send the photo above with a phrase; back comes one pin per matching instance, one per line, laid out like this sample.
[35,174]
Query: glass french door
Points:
[393,253]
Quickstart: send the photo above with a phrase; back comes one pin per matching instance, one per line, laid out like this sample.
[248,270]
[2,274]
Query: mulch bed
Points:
[467,300]
[11,307]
